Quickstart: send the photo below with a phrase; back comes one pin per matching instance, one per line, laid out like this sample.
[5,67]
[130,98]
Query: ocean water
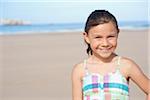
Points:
[63,27]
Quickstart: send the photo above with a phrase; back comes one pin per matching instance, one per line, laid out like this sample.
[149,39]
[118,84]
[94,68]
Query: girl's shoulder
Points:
[130,64]
[127,62]
[78,69]
[126,65]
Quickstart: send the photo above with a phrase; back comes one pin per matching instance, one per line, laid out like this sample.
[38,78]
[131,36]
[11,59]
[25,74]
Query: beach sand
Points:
[38,66]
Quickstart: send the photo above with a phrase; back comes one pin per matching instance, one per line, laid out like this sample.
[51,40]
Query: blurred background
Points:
[41,41]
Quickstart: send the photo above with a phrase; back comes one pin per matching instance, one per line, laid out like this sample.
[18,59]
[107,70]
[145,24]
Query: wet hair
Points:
[98,17]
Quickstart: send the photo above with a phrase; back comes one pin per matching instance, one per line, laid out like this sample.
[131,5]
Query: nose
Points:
[105,43]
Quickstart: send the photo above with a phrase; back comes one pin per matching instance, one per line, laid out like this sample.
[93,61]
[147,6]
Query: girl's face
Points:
[102,39]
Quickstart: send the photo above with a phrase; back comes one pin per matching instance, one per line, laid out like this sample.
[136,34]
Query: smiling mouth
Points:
[105,50]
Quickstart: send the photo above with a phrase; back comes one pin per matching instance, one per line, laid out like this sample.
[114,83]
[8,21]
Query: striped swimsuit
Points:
[112,86]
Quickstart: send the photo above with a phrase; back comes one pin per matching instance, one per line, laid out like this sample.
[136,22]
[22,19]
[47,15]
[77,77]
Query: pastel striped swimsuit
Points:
[112,86]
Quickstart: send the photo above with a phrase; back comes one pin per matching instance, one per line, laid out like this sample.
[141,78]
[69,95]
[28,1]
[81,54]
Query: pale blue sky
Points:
[52,11]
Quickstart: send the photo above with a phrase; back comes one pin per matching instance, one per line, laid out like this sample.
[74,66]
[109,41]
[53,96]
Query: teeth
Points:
[104,50]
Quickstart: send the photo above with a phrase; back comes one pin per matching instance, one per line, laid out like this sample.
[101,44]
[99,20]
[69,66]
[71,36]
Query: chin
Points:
[105,55]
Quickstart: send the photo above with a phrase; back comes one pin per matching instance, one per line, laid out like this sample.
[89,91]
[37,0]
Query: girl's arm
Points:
[148,97]
[76,83]
[139,78]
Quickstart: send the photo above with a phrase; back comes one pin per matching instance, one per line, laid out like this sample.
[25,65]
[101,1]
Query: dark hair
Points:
[99,17]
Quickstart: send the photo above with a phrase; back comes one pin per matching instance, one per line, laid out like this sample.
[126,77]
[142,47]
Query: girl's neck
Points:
[98,59]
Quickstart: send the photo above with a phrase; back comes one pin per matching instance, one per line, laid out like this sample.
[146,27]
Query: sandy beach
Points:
[38,66]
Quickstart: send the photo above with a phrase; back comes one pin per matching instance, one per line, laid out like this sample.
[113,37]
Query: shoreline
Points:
[63,31]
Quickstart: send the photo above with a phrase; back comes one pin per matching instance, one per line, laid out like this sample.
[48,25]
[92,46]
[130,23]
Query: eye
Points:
[111,36]
[97,37]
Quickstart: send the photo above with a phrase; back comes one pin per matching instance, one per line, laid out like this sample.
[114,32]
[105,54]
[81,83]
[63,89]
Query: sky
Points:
[71,11]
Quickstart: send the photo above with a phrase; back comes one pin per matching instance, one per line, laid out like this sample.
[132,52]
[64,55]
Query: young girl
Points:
[104,75]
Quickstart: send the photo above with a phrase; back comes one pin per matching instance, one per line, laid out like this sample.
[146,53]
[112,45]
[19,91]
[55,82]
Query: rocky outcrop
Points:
[13,22]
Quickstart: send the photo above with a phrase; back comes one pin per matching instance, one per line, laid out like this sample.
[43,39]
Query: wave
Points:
[64,27]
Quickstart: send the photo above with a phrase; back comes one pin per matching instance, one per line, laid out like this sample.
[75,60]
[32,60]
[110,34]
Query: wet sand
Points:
[38,66]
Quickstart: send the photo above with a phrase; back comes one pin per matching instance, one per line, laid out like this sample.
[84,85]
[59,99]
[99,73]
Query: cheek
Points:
[113,42]
[94,44]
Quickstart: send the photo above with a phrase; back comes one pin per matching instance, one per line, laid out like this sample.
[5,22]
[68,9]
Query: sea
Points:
[63,27]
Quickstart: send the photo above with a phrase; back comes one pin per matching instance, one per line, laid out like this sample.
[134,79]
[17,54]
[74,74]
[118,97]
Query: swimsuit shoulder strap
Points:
[85,67]
[119,62]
